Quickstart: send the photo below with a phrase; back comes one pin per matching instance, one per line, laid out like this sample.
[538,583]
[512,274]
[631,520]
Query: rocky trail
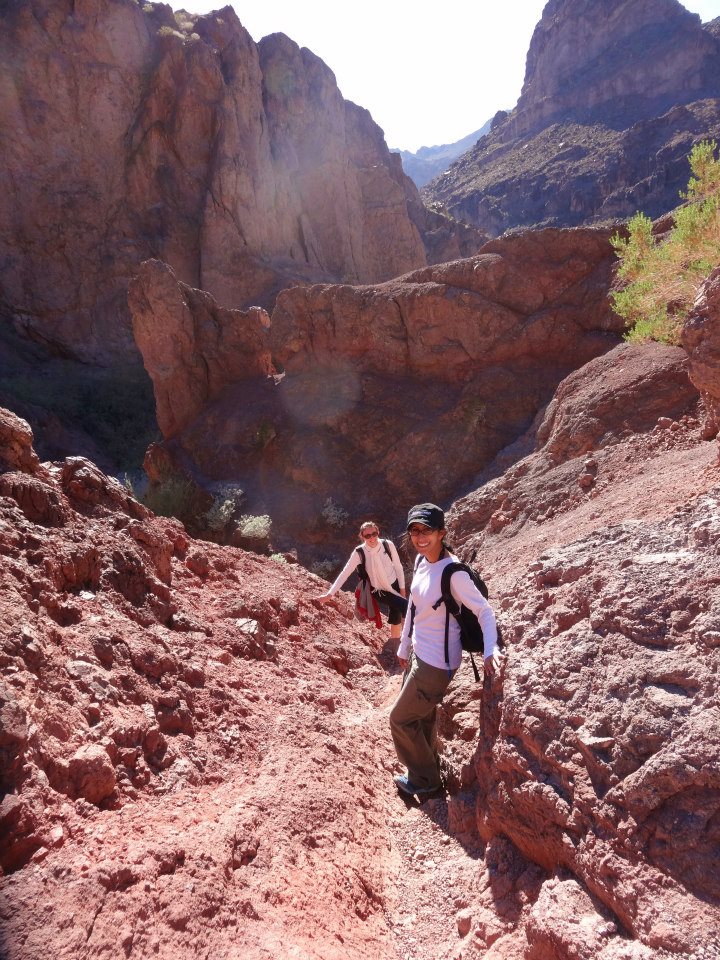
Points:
[196,759]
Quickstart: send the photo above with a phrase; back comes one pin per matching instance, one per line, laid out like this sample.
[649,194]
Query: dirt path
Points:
[449,893]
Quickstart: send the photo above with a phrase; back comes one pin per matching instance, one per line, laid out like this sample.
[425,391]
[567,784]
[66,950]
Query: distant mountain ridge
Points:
[615,95]
[428,162]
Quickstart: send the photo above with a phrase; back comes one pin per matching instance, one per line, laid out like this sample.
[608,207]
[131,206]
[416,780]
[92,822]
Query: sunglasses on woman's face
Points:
[369,536]
[418,531]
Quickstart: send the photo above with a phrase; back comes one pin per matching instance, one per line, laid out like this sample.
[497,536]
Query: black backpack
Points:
[471,635]
[361,569]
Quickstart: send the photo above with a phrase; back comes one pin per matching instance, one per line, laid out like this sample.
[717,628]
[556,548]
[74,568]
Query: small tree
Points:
[661,278]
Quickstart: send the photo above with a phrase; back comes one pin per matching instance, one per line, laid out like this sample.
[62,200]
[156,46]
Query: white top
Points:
[383,570]
[428,639]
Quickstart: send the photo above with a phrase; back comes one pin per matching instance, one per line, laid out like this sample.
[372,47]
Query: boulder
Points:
[701,339]
[16,449]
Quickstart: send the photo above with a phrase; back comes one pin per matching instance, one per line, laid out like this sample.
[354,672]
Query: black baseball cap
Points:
[428,514]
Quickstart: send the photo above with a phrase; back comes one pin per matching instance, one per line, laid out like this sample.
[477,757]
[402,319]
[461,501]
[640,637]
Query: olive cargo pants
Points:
[412,721]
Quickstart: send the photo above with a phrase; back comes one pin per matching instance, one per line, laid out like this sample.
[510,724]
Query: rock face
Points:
[615,95]
[600,753]
[583,63]
[194,346]
[125,704]
[701,339]
[127,132]
[155,802]
[392,383]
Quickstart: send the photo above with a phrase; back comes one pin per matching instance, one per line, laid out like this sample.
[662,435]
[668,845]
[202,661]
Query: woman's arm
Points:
[403,652]
[465,592]
[350,567]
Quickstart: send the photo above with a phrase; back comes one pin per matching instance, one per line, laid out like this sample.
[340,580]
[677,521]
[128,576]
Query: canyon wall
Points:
[615,96]
[375,396]
[127,132]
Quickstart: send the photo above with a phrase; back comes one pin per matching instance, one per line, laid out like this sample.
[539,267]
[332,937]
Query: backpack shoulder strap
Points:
[361,569]
[386,548]
[445,592]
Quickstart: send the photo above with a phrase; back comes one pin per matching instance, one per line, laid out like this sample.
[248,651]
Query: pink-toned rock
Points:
[594,753]
[701,339]
[603,730]
[615,396]
[239,164]
[92,774]
[16,450]
[39,500]
[491,335]
[193,347]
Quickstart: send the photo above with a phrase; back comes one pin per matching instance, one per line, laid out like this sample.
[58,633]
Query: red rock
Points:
[701,339]
[239,164]
[474,348]
[16,450]
[253,808]
[92,774]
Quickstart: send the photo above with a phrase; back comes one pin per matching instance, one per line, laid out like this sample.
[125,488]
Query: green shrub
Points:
[660,279]
[333,514]
[324,568]
[173,497]
[166,31]
[254,528]
[227,497]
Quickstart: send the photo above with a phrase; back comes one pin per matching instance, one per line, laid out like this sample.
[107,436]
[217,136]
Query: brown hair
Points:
[368,523]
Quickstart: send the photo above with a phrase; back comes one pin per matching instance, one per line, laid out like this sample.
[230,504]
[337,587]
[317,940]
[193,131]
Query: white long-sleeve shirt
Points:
[428,638]
[383,570]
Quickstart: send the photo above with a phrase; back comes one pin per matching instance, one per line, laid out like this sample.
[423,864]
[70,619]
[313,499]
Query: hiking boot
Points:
[408,787]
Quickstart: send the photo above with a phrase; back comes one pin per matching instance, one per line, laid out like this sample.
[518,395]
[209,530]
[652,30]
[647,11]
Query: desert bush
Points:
[173,497]
[333,514]
[227,497]
[324,568]
[278,557]
[166,31]
[254,527]
[182,21]
[661,278]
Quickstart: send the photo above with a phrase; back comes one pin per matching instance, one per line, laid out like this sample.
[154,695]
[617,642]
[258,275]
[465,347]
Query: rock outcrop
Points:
[392,383]
[128,132]
[615,95]
[599,753]
[701,338]
[154,801]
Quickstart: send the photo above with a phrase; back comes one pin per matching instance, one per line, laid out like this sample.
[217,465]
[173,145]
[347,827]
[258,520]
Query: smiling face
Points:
[427,542]
[369,534]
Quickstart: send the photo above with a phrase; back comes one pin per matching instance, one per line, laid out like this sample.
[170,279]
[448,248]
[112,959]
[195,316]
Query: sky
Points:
[430,73]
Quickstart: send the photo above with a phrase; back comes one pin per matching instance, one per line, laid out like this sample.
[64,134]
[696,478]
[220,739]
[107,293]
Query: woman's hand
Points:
[402,592]
[492,664]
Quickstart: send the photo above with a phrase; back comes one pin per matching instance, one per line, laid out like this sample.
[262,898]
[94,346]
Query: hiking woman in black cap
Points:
[376,562]
[429,662]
